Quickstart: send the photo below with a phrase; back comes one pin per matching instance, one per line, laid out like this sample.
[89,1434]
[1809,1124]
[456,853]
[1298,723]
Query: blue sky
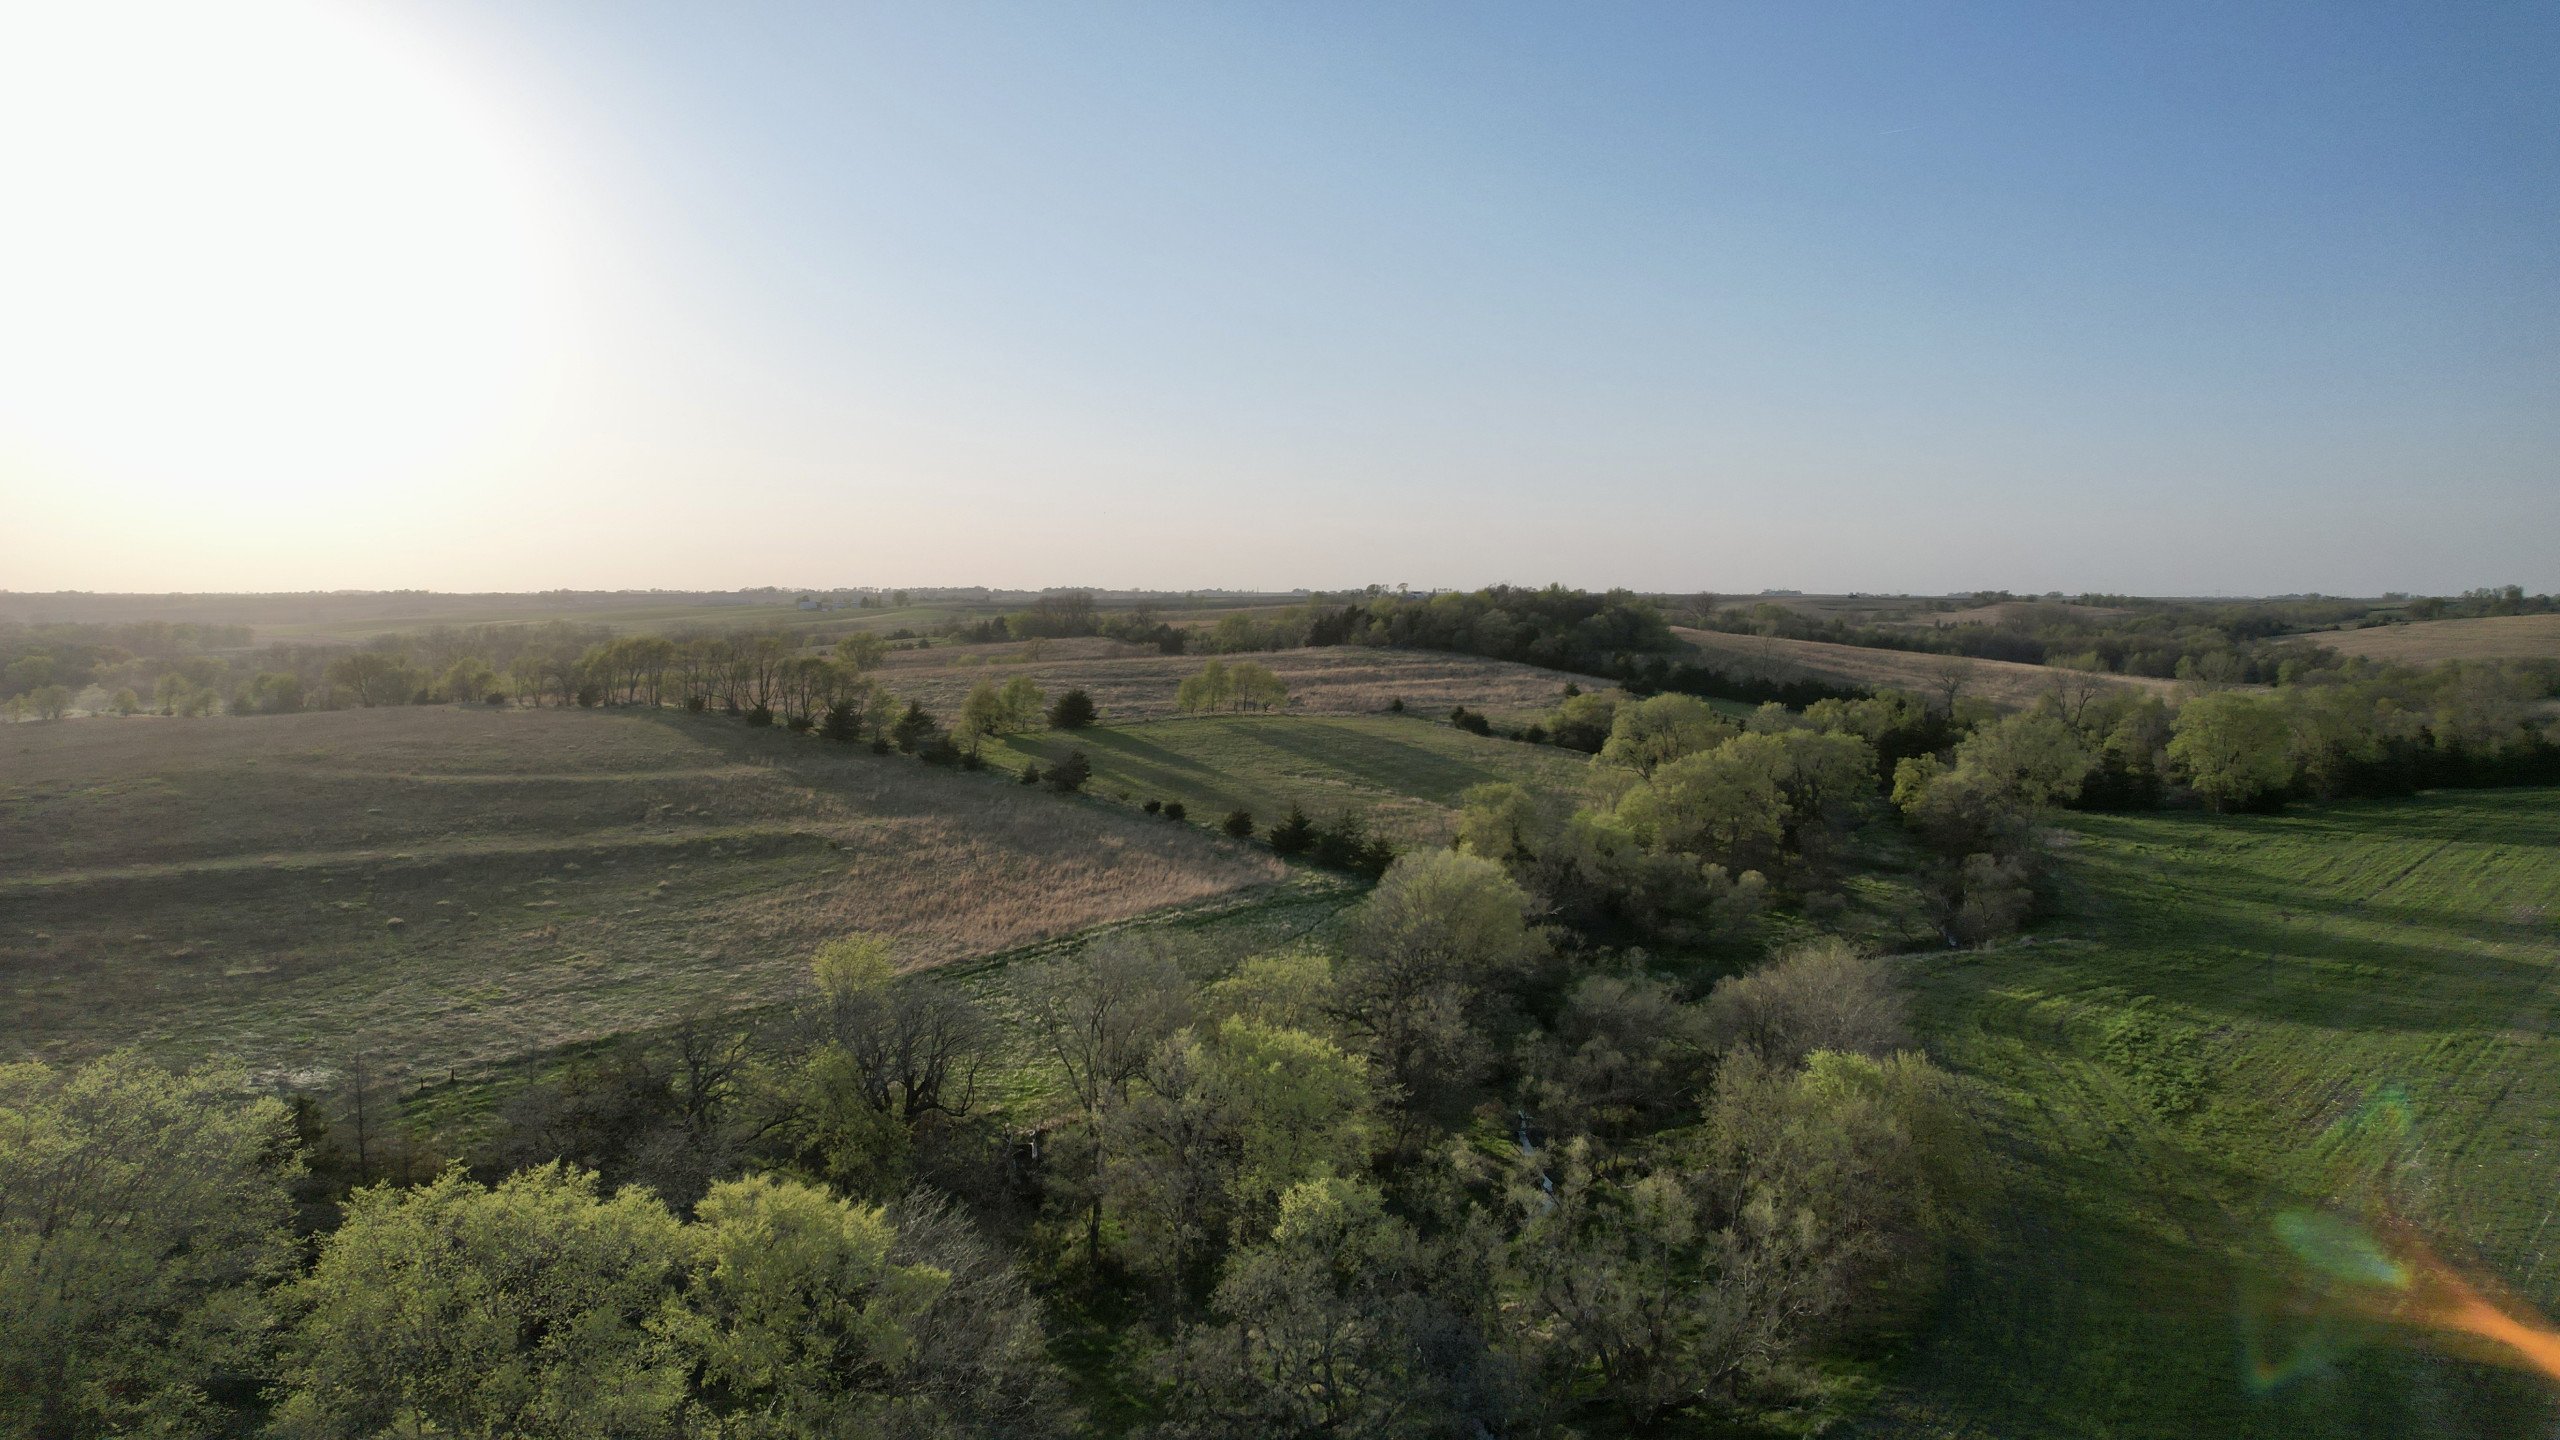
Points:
[2160,298]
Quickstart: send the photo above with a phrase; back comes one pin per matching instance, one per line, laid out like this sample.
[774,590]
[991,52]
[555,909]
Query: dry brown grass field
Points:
[1134,682]
[2003,683]
[444,887]
[2488,637]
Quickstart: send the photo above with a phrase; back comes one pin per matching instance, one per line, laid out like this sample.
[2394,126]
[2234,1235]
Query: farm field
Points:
[444,887]
[1403,772]
[2228,1013]
[2004,683]
[1134,683]
[2487,637]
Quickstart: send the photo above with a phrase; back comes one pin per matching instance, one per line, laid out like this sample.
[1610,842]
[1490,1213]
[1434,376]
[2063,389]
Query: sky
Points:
[2162,299]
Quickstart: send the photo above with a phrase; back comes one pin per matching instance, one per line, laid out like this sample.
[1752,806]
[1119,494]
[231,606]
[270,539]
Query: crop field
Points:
[443,887]
[2003,683]
[1134,683]
[2229,1019]
[1402,772]
[2488,637]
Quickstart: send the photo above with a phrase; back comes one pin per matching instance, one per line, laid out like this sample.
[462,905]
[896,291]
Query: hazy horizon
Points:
[481,297]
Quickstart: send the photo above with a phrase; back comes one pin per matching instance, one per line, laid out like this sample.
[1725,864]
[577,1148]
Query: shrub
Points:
[843,725]
[799,724]
[1074,711]
[1293,834]
[1030,774]
[1395,706]
[1173,810]
[1536,734]
[1469,721]
[972,760]
[697,703]
[1068,775]
[1822,995]
[1344,844]
[760,716]
[939,751]
[1152,806]
[1239,823]
[880,745]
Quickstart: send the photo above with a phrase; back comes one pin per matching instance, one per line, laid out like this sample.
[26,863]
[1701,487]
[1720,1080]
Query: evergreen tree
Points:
[1074,711]
[1294,834]
[1068,775]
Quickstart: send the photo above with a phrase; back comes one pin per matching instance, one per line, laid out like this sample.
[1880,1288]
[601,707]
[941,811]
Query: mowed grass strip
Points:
[1403,772]
[442,887]
[2179,1055]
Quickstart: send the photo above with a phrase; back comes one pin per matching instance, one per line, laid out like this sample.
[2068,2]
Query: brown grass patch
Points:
[2004,683]
[2487,637]
[229,885]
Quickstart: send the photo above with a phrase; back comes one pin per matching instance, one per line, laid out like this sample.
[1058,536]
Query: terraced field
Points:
[2205,1039]
[1403,772]
[450,886]
[2003,683]
[2488,637]
[1133,683]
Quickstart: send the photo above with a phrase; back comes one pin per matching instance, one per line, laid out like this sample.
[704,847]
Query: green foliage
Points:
[1584,721]
[1649,734]
[790,1294]
[1443,935]
[1567,629]
[2233,748]
[1222,686]
[861,650]
[141,1213]
[1330,1327]
[1707,1272]
[540,1308]
[536,1307]
[1238,824]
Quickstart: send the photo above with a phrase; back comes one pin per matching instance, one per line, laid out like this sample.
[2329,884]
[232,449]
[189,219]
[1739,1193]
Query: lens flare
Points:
[2344,1283]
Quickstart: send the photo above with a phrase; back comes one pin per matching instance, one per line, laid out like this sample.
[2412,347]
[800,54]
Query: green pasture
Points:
[2343,1008]
[1404,772]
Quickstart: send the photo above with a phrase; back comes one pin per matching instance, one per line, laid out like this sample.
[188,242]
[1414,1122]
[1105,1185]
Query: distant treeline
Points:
[1617,635]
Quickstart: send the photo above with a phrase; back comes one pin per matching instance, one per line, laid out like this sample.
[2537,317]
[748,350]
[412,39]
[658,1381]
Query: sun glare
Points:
[257,250]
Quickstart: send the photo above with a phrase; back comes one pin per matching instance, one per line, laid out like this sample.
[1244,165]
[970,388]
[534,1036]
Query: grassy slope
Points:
[229,884]
[2488,637]
[2296,966]
[2002,682]
[1404,772]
